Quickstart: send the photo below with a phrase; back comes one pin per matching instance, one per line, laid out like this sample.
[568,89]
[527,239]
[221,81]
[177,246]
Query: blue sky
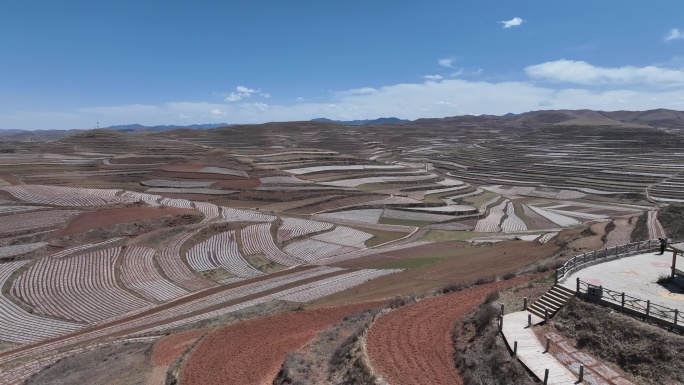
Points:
[69,64]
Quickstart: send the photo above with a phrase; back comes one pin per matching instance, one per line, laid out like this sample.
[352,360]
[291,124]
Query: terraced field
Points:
[240,222]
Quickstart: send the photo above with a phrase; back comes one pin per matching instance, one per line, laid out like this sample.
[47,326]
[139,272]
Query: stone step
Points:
[558,302]
[553,308]
[564,290]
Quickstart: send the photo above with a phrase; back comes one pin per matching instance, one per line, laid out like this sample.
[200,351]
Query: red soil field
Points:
[242,184]
[412,345]
[171,347]
[252,352]
[104,218]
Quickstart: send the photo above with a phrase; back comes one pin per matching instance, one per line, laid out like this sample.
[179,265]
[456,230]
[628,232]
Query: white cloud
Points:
[261,106]
[359,91]
[242,93]
[244,89]
[675,34]
[233,97]
[581,72]
[217,111]
[514,22]
[448,62]
[433,77]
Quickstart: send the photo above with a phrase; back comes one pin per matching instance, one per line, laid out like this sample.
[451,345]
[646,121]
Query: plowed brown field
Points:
[252,352]
[242,184]
[171,347]
[412,345]
[104,218]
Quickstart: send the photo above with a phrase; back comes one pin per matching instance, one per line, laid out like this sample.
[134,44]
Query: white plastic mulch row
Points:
[223,171]
[546,237]
[377,179]
[19,326]
[332,285]
[210,211]
[180,203]
[257,239]
[296,227]
[490,224]
[229,214]
[76,249]
[194,190]
[152,200]
[345,236]
[370,251]
[220,251]
[363,215]
[12,251]
[560,220]
[225,296]
[512,222]
[283,180]
[311,250]
[66,196]
[35,220]
[308,170]
[173,266]
[81,288]
[577,214]
[139,274]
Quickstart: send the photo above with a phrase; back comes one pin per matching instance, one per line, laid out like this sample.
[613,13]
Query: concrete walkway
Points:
[636,276]
[531,351]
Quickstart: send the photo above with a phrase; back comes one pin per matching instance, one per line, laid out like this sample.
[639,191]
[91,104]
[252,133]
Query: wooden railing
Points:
[629,304]
[604,255]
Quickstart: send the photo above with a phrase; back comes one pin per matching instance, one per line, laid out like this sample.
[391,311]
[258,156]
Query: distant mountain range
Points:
[140,127]
[363,122]
[660,118]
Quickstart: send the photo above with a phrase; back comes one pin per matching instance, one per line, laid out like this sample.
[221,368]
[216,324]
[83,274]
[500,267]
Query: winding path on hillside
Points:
[412,345]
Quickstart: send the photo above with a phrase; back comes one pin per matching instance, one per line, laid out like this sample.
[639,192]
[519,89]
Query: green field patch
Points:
[404,222]
[479,200]
[215,274]
[381,236]
[409,263]
[261,263]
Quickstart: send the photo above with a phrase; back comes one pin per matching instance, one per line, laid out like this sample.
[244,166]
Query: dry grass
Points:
[651,354]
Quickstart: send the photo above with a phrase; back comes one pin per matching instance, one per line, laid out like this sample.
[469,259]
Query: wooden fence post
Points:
[676,316]
[548,344]
[623,300]
[524,303]
[546,376]
[529,320]
[546,314]
[515,348]
[648,307]
[581,373]
[578,284]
